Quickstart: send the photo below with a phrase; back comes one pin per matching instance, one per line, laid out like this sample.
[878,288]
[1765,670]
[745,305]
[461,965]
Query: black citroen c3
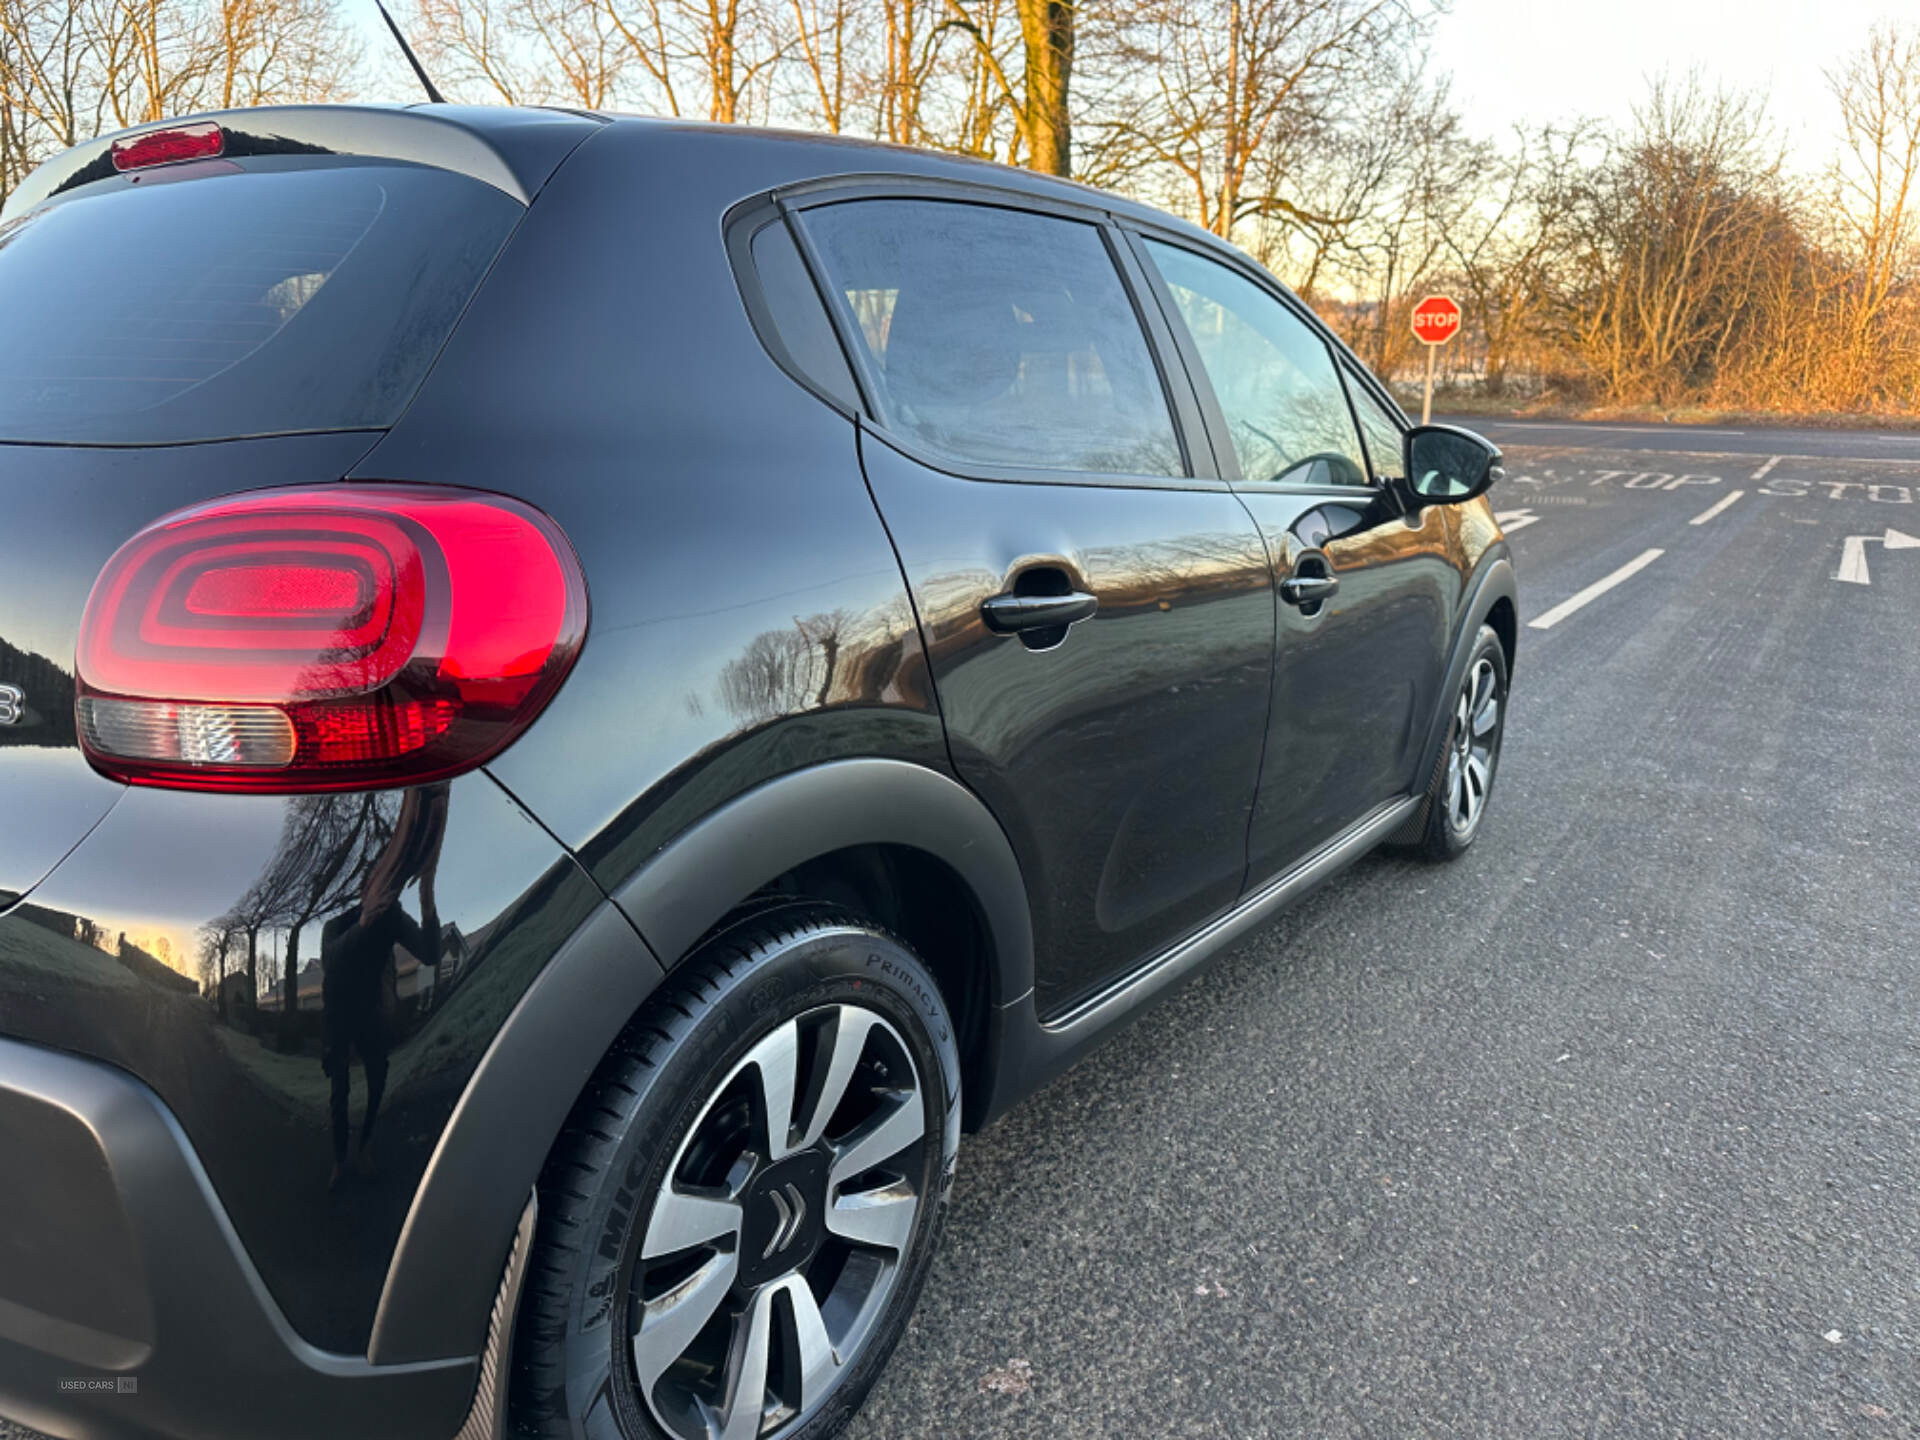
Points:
[579,697]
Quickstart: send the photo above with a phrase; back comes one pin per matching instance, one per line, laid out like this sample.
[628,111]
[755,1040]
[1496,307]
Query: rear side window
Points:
[800,323]
[286,296]
[1273,377]
[998,336]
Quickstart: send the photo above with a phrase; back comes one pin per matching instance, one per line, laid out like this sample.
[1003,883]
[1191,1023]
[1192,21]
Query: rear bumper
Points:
[127,1305]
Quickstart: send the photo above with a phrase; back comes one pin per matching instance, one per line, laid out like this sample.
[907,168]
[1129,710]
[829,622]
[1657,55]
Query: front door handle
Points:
[1308,589]
[1009,614]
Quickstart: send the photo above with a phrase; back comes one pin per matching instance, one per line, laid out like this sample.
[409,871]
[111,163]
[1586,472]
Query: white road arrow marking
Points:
[1853,560]
[1853,555]
[1512,520]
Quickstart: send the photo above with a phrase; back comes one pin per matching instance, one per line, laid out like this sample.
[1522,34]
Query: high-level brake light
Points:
[169,146]
[326,638]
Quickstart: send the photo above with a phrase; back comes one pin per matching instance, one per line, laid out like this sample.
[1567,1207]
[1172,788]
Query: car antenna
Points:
[412,59]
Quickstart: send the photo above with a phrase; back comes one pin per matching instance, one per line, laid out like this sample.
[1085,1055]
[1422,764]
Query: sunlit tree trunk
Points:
[1046,32]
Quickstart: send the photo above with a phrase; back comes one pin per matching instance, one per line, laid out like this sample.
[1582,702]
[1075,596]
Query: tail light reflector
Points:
[331,638]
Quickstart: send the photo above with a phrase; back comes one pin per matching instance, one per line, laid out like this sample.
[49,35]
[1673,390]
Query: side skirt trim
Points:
[1127,995]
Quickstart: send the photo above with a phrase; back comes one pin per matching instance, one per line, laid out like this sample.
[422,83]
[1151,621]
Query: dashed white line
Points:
[1761,473]
[1717,506]
[1594,591]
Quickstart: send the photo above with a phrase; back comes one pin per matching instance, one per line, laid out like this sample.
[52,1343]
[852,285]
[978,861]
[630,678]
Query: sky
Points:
[1535,60]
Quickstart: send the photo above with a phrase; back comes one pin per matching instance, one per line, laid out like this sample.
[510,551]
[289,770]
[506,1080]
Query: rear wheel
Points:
[739,1216]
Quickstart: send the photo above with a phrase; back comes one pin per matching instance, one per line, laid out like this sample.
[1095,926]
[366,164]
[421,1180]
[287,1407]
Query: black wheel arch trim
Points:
[445,1273]
[1491,583]
[693,882]
[446,1270]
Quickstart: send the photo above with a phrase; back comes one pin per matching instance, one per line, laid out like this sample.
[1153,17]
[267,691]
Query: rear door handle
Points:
[1307,589]
[1009,614]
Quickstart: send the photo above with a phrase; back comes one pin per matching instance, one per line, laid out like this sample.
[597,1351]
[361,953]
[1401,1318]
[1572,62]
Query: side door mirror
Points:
[1447,465]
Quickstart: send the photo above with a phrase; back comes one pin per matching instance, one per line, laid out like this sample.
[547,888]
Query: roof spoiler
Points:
[513,150]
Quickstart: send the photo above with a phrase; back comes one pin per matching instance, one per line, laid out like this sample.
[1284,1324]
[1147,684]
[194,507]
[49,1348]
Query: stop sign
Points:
[1436,319]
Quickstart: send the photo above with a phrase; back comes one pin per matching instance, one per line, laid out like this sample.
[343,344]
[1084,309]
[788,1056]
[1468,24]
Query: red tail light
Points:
[165,147]
[325,639]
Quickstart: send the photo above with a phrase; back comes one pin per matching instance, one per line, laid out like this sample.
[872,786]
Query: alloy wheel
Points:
[1475,747]
[780,1230]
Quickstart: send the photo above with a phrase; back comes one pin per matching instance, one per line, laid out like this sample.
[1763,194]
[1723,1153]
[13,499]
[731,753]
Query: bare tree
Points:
[739,44]
[1046,121]
[822,35]
[48,98]
[1670,232]
[274,51]
[1507,245]
[1240,84]
[1672,260]
[1378,191]
[1877,189]
[155,58]
[476,46]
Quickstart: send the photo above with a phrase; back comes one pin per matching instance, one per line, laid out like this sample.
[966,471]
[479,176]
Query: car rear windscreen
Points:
[292,295]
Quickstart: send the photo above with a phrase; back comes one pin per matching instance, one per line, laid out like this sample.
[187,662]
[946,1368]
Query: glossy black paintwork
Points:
[108,957]
[105,957]
[750,620]
[748,615]
[1355,683]
[1122,760]
[66,511]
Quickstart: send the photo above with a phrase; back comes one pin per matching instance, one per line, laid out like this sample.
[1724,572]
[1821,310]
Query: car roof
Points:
[516,148]
[858,155]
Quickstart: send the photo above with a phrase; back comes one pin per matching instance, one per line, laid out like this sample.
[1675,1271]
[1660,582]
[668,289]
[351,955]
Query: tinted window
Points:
[998,336]
[1386,441]
[1274,378]
[287,297]
[794,306]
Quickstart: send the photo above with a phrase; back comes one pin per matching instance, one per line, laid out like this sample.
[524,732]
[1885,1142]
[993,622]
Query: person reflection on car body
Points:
[358,992]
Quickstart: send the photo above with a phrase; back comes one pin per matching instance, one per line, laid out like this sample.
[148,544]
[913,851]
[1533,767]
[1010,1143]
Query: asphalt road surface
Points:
[1708,440]
[1611,1128]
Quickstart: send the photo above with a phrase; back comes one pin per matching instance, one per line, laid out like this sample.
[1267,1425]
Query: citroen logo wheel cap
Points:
[792,1206]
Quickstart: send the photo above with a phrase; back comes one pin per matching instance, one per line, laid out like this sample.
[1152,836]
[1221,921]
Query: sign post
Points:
[1436,320]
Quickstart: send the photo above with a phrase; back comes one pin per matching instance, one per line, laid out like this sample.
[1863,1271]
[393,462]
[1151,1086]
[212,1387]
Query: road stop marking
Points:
[1512,520]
